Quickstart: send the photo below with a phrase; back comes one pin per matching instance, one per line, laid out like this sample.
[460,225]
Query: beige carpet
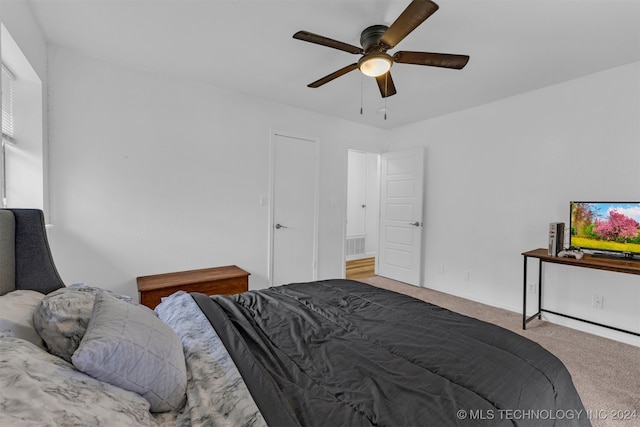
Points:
[606,373]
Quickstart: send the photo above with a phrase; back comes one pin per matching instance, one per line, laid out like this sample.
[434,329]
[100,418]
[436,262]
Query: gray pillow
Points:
[62,317]
[129,347]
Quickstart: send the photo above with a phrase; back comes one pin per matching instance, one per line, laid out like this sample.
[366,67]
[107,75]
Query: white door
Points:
[356,193]
[401,195]
[294,218]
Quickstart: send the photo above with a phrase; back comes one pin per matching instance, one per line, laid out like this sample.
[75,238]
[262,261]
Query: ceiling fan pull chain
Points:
[386,88]
[361,90]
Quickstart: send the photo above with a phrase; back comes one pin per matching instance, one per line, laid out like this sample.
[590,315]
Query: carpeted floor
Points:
[606,373]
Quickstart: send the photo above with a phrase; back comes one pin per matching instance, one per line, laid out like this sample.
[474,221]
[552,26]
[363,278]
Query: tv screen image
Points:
[606,226]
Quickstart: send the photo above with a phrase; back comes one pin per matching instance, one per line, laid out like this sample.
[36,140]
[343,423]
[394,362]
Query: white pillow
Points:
[39,389]
[131,348]
[16,315]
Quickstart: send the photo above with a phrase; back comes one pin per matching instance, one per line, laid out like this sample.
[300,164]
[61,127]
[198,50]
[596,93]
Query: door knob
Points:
[415,224]
[279,226]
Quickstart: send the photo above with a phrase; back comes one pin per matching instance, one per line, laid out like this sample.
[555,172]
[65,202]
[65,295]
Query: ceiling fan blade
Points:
[325,41]
[385,84]
[334,75]
[444,60]
[415,14]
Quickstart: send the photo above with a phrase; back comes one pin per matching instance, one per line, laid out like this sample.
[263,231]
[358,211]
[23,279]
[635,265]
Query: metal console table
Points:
[588,261]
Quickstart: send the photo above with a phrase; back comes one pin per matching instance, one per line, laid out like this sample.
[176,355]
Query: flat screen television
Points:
[611,228]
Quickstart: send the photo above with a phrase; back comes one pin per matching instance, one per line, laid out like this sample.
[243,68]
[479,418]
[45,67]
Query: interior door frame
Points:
[316,198]
[344,211]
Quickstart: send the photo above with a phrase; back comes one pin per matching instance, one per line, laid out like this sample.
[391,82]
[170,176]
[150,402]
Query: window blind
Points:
[8,80]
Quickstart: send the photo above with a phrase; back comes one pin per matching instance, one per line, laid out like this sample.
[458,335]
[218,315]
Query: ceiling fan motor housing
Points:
[370,37]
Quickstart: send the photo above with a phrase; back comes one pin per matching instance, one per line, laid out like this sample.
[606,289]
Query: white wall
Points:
[497,175]
[150,174]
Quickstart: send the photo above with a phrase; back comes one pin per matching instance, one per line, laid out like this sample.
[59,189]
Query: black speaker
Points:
[556,238]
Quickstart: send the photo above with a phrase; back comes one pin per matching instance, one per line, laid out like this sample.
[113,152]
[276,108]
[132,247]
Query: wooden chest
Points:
[225,280]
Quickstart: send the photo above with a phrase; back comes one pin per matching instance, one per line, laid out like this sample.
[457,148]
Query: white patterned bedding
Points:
[40,389]
[216,393]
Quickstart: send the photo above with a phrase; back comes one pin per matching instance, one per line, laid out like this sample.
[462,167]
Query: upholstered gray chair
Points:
[25,255]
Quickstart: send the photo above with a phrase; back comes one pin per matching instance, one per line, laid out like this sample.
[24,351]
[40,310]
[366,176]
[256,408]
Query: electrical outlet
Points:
[598,302]
[533,287]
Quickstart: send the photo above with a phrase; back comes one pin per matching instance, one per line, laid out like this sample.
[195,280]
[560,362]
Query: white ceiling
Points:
[515,46]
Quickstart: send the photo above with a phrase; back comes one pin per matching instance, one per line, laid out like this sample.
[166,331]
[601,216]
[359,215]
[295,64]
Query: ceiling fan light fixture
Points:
[375,64]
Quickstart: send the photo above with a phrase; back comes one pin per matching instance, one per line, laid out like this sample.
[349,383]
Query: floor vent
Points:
[355,246]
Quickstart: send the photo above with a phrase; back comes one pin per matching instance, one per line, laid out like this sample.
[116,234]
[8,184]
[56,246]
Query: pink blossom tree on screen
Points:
[617,226]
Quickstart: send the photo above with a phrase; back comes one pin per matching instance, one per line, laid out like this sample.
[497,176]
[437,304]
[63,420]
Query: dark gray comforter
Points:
[343,353]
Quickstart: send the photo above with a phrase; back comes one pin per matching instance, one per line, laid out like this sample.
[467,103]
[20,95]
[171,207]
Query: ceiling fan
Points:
[377,39]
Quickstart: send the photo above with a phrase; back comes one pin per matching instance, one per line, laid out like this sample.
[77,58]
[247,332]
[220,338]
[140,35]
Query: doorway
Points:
[363,205]
[293,218]
[384,221]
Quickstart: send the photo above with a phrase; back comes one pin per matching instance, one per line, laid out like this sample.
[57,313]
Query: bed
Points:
[333,352]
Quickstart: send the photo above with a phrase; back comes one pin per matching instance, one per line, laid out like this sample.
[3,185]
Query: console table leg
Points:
[524,293]
[540,289]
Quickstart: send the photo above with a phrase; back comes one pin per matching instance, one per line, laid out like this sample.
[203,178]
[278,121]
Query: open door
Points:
[401,196]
